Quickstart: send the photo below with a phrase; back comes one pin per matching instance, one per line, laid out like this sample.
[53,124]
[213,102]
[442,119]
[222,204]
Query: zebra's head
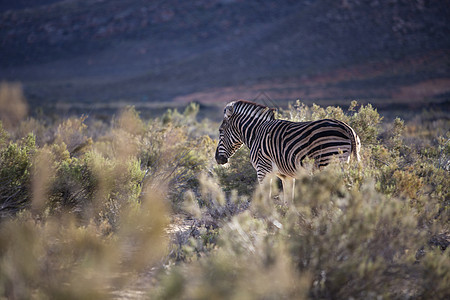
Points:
[229,138]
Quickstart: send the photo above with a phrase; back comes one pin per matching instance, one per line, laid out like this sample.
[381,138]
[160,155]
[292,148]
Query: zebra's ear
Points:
[228,111]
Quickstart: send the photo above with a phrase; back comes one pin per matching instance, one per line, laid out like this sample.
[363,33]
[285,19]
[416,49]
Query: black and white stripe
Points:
[280,146]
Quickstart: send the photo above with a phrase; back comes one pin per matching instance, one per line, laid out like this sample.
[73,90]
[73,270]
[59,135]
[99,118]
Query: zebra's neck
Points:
[249,117]
[249,131]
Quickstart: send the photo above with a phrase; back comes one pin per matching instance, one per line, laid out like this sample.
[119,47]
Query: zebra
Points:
[280,146]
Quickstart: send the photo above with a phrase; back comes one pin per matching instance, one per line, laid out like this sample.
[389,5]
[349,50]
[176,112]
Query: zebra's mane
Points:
[243,107]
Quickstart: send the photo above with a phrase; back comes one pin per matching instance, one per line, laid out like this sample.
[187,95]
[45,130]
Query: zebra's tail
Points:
[356,145]
[354,141]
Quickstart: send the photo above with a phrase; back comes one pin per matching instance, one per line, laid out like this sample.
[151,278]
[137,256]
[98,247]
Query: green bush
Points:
[16,160]
[239,174]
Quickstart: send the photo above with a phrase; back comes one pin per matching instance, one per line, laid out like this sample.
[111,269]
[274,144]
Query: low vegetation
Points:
[136,208]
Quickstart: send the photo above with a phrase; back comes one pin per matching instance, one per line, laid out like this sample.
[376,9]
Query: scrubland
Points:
[132,208]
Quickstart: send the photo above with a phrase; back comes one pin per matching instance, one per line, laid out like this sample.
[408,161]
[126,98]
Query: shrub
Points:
[15,179]
[57,258]
[239,174]
[137,206]
[353,231]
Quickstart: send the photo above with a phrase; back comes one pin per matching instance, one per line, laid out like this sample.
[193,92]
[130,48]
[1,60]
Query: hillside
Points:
[82,52]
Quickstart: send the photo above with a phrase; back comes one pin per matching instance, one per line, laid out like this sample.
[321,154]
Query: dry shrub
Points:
[72,132]
[91,229]
[34,126]
[43,173]
[365,231]
[331,242]
[87,214]
[171,155]
[58,259]
[13,106]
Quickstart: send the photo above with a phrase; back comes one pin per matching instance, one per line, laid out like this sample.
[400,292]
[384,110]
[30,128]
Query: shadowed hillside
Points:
[148,53]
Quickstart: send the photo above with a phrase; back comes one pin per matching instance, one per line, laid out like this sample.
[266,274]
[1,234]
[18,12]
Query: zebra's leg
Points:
[288,189]
[270,188]
[261,178]
[271,182]
[273,190]
[262,172]
[293,190]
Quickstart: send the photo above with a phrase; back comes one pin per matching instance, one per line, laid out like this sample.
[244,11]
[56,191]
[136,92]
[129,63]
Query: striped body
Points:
[278,146]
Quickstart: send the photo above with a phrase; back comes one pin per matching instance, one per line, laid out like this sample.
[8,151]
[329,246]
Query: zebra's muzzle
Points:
[221,159]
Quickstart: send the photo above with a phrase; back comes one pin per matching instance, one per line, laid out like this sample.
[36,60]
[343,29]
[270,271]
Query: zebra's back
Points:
[287,144]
